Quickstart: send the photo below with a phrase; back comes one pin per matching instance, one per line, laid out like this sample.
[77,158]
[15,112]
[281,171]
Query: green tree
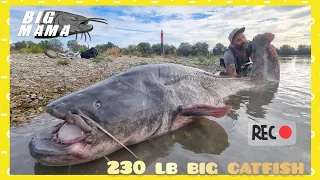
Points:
[219,49]
[20,45]
[144,48]
[200,49]
[156,48]
[11,46]
[55,44]
[82,48]
[167,49]
[184,49]
[73,45]
[304,50]
[104,47]
[172,49]
[44,44]
[124,50]
[286,50]
[30,44]
[131,48]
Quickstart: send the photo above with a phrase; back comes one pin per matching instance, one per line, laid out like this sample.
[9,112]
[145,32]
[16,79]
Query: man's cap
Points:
[235,32]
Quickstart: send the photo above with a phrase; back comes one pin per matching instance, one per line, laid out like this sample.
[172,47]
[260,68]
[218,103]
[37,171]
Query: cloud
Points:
[132,25]
[127,18]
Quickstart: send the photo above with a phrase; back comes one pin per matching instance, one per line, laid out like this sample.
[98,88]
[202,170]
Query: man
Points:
[238,53]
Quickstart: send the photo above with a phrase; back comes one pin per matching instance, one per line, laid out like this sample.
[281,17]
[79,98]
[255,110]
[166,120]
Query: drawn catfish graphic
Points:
[78,24]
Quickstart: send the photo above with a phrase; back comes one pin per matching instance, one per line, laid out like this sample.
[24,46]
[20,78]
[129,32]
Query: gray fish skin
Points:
[145,102]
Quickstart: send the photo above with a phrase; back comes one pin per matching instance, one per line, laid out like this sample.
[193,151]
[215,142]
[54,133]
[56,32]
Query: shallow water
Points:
[222,140]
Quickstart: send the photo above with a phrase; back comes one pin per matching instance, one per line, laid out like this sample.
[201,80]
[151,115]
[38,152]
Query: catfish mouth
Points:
[74,128]
[65,143]
[68,134]
[70,150]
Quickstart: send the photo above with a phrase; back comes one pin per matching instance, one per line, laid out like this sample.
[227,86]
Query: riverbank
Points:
[37,79]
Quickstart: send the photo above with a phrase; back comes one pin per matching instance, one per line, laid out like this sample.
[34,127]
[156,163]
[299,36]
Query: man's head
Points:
[237,39]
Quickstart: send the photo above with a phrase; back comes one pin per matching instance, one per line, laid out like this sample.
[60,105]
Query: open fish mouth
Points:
[79,127]
[68,134]
[74,129]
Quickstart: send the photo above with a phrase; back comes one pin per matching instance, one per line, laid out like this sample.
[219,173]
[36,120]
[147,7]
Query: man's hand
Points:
[231,70]
[251,56]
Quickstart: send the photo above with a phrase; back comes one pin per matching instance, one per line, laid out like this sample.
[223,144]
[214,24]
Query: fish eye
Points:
[97,104]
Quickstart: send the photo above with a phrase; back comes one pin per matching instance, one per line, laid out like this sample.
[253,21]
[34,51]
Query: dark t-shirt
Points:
[229,58]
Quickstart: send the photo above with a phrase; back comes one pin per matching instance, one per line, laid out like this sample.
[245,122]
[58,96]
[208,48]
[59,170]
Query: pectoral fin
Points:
[204,110]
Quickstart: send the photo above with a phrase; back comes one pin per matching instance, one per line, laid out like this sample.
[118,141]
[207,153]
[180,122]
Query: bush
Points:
[156,48]
[144,48]
[25,51]
[131,48]
[20,45]
[33,50]
[153,55]
[184,49]
[36,49]
[303,50]
[141,63]
[115,51]
[30,43]
[82,48]
[99,58]
[104,47]
[172,50]
[55,44]
[62,62]
[219,49]
[200,49]
[208,60]
[73,45]
[136,53]
[44,44]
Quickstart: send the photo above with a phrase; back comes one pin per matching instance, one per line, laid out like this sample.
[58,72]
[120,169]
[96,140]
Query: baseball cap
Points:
[235,32]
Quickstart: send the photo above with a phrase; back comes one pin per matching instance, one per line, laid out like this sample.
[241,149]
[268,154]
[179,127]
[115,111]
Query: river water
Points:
[223,140]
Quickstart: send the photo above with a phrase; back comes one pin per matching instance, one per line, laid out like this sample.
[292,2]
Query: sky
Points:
[133,24]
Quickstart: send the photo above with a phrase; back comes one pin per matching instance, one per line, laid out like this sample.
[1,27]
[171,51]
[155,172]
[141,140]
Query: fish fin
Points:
[268,36]
[204,110]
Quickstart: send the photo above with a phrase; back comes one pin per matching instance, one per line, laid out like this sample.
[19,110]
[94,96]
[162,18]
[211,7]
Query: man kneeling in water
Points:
[236,58]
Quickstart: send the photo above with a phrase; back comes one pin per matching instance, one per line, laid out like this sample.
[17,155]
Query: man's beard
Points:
[242,47]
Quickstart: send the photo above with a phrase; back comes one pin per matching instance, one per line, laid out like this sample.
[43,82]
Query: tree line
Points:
[145,48]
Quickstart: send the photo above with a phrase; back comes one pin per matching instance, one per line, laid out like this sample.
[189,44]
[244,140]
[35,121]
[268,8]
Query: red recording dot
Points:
[285,132]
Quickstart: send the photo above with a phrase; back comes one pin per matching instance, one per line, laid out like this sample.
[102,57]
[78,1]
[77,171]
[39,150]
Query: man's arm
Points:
[231,70]
[229,62]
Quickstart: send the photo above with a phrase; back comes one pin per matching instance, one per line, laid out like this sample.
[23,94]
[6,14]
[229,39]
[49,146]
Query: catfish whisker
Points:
[99,21]
[81,36]
[85,37]
[105,131]
[107,158]
[89,36]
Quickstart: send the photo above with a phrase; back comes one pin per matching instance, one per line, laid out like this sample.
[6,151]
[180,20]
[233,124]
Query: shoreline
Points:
[36,80]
